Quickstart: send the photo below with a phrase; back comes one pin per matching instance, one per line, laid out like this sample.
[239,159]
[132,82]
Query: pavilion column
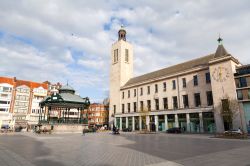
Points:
[78,119]
[48,116]
[62,119]
[166,121]
[68,114]
[39,115]
[81,115]
[60,116]
[44,112]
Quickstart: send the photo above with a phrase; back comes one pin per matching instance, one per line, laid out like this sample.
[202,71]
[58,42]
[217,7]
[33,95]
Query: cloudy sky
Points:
[63,40]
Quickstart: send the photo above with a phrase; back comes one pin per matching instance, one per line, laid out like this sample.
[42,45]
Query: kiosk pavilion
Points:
[64,107]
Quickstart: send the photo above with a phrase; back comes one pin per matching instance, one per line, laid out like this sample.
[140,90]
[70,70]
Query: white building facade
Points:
[19,102]
[189,95]
[38,95]
[5,102]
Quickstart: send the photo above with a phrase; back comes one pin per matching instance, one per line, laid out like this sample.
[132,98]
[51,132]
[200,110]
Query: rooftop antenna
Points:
[67,82]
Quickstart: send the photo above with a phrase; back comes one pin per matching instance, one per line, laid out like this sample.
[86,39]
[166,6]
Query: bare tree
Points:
[144,113]
[229,110]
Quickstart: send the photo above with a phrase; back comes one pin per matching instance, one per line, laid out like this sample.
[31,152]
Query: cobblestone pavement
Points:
[127,149]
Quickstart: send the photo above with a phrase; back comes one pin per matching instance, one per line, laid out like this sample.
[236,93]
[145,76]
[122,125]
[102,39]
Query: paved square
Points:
[127,149]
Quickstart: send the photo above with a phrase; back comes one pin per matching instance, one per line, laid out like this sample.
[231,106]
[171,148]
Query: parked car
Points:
[174,130]
[233,132]
[5,127]
[127,130]
[18,129]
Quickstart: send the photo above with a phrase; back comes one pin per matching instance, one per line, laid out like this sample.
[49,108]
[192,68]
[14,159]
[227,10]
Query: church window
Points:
[195,80]
[141,91]
[174,85]
[115,55]
[164,86]
[126,55]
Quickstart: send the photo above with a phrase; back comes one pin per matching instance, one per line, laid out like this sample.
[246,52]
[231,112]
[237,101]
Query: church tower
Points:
[120,72]
[222,68]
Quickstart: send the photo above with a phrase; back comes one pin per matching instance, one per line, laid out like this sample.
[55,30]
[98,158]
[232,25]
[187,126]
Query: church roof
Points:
[202,61]
[199,62]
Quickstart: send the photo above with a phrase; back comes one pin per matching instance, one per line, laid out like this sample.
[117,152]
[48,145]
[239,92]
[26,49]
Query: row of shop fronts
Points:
[191,122]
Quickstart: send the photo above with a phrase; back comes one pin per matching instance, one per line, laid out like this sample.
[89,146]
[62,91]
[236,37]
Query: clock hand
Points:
[220,73]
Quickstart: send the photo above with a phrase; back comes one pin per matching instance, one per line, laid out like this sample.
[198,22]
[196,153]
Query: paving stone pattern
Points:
[127,149]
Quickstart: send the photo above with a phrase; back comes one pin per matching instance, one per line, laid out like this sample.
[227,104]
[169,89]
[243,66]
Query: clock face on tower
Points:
[220,74]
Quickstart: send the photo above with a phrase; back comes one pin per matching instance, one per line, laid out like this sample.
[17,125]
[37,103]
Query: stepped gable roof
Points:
[202,61]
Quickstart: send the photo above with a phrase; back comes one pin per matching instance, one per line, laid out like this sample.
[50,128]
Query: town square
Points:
[133,149]
[113,83]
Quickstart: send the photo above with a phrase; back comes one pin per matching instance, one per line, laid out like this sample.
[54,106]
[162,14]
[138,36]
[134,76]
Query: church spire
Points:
[220,51]
[122,34]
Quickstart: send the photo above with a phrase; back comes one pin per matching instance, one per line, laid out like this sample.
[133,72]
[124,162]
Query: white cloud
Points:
[93,64]
[60,40]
